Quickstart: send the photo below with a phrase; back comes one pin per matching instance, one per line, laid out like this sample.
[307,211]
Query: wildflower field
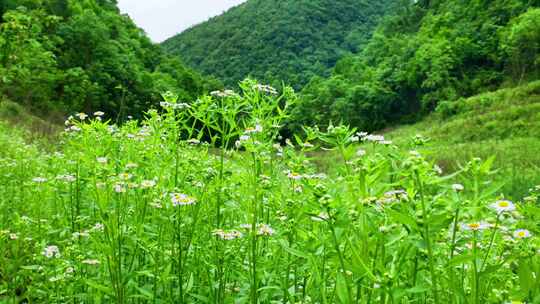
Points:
[207,203]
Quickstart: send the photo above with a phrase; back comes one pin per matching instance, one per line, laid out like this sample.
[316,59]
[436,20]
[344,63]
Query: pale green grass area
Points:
[30,127]
[504,124]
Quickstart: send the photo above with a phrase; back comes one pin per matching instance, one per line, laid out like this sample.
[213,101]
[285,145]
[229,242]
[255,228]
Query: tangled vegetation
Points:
[206,203]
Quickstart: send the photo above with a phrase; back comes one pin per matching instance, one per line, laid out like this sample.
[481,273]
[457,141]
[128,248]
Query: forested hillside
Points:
[278,40]
[426,56]
[59,56]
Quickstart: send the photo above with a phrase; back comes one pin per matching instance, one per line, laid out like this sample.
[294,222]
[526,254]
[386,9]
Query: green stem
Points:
[427,239]
[340,255]
[492,238]
[476,279]
[254,283]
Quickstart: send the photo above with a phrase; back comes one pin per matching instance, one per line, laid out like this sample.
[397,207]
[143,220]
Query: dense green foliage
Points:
[274,41]
[427,53]
[65,55]
[132,214]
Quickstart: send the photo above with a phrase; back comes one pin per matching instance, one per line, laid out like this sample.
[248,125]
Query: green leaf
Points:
[341,288]
[189,285]
[293,251]
[526,277]
[461,259]
[106,290]
[31,267]
[145,293]
[269,288]
[402,218]
[418,289]
[360,266]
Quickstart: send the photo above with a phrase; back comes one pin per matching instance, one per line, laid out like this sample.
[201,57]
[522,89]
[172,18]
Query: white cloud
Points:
[162,19]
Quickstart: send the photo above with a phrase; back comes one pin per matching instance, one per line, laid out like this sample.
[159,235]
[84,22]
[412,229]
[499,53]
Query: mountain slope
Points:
[278,40]
[428,53]
[59,56]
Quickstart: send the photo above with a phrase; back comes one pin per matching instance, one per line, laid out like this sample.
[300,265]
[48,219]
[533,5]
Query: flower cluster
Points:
[51,251]
[265,89]
[174,106]
[66,178]
[227,235]
[260,229]
[393,196]
[373,138]
[223,94]
[265,230]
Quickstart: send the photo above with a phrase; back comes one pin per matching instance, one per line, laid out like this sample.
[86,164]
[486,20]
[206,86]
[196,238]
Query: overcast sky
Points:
[162,19]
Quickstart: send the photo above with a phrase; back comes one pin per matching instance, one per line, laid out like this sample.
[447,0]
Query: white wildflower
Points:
[257,129]
[323,216]
[522,234]
[145,184]
[475,226]
[51,251]
[374,138]
[458,187]
[82,116]
[503,206]
[66,178]
[119,188]
[98,227]
[294,175]
[265,230]
[39,180]
[360,152]
[180,199]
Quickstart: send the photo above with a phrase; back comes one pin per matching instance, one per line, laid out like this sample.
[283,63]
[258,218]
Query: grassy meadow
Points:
[206,203]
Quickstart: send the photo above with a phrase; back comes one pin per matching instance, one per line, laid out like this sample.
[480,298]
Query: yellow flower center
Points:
[474,225]
[503,204]
[521,234]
